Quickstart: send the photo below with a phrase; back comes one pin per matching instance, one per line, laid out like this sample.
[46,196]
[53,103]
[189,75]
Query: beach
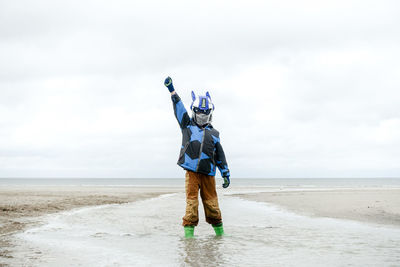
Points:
[370,205]
[24,225]
[21,205]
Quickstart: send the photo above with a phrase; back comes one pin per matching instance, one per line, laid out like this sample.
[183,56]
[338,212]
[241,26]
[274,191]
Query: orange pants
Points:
[193,182]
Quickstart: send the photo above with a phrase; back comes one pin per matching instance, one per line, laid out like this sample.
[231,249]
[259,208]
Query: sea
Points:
[235,182]
[148,232]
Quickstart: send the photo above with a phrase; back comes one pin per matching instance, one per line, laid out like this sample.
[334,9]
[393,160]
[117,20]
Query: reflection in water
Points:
[202,252]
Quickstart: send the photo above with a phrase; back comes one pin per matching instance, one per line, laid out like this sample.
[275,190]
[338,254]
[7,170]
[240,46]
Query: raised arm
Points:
[179,109]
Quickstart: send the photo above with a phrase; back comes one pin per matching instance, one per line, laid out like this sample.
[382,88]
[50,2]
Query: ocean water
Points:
[235,182]
[148,233]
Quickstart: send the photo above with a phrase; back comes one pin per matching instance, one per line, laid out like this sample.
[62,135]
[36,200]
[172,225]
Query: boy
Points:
[200,153]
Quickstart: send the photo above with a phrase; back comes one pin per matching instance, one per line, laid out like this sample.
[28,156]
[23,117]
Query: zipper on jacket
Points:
[201,149]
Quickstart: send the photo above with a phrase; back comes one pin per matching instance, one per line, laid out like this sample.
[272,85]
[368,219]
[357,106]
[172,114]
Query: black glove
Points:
[227,181]
[168,83]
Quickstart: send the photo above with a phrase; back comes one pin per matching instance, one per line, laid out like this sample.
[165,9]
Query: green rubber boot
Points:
[218,229]
[189,231]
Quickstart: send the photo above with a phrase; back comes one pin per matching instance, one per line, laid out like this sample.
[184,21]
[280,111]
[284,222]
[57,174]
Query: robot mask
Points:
[202,108]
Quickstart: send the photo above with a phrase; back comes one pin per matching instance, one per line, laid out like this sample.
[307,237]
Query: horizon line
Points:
[382,177]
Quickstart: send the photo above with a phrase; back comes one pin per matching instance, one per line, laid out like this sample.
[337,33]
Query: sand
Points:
[21,205]
[370,205]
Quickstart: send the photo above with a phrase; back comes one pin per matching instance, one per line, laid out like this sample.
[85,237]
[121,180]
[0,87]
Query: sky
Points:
[301,88]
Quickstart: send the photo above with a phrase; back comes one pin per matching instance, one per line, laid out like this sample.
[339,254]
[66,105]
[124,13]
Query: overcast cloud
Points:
[301,88]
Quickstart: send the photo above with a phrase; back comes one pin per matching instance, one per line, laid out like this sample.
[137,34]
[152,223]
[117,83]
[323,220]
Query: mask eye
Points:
[197,110]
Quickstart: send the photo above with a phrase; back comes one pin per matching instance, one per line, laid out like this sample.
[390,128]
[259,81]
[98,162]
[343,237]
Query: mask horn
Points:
[193,96]
[208,95]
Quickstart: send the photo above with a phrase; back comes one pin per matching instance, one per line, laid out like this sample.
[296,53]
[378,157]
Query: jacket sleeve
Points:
[180,111]
[221,160]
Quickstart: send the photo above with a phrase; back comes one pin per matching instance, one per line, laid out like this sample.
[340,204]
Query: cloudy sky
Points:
[301,88]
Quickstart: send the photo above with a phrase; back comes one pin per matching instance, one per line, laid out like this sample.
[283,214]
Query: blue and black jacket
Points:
[201,149]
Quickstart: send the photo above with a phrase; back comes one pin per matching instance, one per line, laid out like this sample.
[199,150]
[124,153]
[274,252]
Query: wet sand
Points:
[21,205]
[371,205]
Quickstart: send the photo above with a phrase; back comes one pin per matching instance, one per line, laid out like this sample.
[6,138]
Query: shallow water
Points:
[148,233]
